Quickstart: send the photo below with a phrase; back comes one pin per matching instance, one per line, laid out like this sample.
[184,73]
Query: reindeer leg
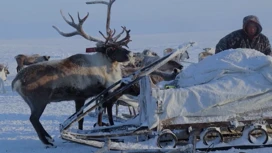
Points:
[36,112]
[109,110]
[110,103]
[116,108]
[2,85]
[4,90]
[79,104]
[130,112]
[99,118]
[134,111]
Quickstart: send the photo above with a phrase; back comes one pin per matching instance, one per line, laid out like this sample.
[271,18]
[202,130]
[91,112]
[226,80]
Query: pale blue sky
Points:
[34,18]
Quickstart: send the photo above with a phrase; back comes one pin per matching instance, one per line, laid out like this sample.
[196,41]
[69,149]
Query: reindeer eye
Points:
[112,48]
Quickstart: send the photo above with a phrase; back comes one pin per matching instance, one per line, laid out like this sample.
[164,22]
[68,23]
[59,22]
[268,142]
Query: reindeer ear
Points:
[176,70]
[155,54]
[46,57]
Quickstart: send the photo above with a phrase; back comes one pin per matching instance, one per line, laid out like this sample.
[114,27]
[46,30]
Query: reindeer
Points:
[3,76]
[148,52]
[29,59]
[147,57]
[77,77]
[178,58]
[5,67]
[139,56]
[207,52]
[171,65]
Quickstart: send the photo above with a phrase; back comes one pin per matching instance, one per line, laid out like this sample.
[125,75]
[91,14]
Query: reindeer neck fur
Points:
[113,69]
[112,65]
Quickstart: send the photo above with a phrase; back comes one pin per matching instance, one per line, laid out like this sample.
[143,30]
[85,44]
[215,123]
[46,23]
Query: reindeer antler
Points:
[109,39]
[78,27]
[126,40]
[109,4]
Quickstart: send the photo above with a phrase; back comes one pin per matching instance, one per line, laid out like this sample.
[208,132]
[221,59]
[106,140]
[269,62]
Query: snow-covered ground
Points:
[16,132]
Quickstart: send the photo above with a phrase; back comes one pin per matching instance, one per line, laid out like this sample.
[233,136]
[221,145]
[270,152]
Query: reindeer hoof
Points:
[50,146]
[50,140]
[105,124]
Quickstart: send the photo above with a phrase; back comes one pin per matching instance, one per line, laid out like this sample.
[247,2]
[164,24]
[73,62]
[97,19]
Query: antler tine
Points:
[118,36]
[110,34]
[103,35]
[109,4]
[110,39]
[78,27]
[81,21]
[126,40]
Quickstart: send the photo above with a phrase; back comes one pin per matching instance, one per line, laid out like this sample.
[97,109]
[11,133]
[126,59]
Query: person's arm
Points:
[221,45]
[229,41]
[267,50]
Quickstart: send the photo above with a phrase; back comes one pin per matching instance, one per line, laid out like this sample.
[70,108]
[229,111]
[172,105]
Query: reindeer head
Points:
[148,52]
[46,58]
[4,71]
[178,58]
[114,49]
[116,53]
[111,46]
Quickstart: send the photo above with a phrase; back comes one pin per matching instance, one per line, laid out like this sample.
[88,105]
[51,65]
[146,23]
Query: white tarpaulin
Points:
[225,84]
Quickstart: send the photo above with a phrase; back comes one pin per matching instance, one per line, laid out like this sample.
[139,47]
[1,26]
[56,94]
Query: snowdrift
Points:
[232,84]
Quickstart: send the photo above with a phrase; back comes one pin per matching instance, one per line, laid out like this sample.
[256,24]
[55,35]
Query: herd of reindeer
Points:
[81,76]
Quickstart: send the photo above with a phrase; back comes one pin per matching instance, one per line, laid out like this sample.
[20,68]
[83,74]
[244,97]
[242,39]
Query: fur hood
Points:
[252,18]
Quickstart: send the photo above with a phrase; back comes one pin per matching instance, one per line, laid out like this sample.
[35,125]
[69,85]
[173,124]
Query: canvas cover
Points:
[226,85]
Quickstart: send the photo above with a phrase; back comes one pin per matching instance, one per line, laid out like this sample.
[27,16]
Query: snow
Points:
[156,27]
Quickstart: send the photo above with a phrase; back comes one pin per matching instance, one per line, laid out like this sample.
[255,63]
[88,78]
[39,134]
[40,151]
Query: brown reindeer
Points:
[77,77]
[207,52]
[29,59]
